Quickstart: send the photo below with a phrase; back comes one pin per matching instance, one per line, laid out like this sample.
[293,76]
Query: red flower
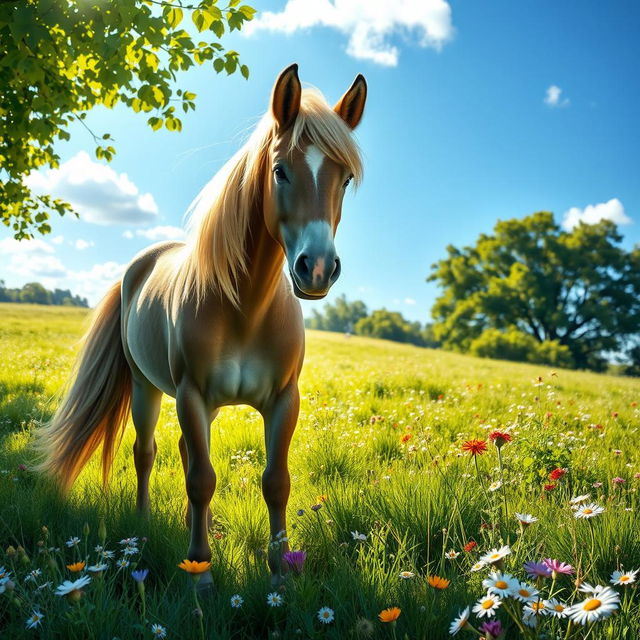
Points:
[500,437]
[549,487]
[475,447]
[406,437]
[470,546]
[556,474]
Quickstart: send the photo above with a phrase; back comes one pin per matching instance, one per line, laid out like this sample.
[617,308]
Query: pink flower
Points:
[636,476]
[558,568]
[597,485]
[617,480]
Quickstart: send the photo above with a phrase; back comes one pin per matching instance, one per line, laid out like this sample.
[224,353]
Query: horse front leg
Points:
[280,419]
[194,418]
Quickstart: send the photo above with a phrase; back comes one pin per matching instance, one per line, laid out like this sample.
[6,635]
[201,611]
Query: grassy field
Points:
[379,448]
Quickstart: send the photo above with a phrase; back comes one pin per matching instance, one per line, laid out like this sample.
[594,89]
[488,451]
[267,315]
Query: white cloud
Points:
[554,98]
[57,239]
[166,232]
[98,193]
[409,301]
[11,246]
[370,25]
[592,213]
[94,282]
[81,244]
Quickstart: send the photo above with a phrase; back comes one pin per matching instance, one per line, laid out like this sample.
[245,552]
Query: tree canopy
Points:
[35,293]
[61,58]
[575,293]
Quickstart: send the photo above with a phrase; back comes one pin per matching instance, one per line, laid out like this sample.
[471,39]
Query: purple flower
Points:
[556,567]
[618,480]
[140,575]
[316,507]
[492,627]
[295,560]
[537,570]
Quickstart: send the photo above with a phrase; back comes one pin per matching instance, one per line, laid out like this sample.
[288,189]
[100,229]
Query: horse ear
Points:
[351,106]
[285,98]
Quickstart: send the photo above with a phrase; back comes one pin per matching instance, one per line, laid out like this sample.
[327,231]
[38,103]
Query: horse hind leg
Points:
[145,409]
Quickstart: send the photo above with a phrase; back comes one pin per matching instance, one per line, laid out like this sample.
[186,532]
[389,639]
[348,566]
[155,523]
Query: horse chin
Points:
[303,295]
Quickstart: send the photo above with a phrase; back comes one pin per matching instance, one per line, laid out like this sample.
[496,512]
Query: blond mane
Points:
[220,216]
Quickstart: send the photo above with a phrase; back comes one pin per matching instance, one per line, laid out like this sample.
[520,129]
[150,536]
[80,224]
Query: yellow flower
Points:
[321,498]
[193,566]
[389,615]
[76,566]
[438,583]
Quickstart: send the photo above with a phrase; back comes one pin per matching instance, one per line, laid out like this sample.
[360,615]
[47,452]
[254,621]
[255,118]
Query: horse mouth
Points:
[304,295]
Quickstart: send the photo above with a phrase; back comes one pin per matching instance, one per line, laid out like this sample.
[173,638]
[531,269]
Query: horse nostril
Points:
[336,270]
[302,266]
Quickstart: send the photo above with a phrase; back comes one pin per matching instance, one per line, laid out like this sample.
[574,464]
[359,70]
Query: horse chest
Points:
[241,379]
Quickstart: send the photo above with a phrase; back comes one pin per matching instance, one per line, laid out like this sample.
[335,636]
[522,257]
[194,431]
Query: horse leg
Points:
[145,408]
[279,421]
[194,419]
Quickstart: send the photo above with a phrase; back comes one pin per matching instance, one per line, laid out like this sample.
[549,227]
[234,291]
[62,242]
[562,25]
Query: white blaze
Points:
[314,158]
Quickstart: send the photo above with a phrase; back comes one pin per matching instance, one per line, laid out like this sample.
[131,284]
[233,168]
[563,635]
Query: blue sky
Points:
[463,126]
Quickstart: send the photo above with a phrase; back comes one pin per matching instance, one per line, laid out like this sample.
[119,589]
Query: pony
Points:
[214,321]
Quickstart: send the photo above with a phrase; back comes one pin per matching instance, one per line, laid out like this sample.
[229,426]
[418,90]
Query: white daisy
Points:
[487,606]
[5,574]
[406,575]
[494,486]
[530,620]
[525,519]
[107,555]
[536,608]
[237,601]
[325,615]
[460,622]
[500,584]
[274,599]
[123,563]
[602,603]
[32,575]
[556,608]
[478,565]
[98,568]
[130,550]
[588,511]
[525,593]
[495,554]
[579,499]
[622,578]
[126,542]
[69,586]
[451,555]
[73,542]
[34,619]
[158,631]
[360,537]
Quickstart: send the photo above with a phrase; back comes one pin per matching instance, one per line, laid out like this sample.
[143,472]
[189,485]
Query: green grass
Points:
[414,500]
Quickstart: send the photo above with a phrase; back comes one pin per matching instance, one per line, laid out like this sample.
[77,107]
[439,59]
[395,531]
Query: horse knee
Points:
[276,485]
[144,456]
[201,483]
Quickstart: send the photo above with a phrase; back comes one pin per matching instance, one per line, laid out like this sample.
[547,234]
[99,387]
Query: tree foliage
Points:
[342,316]
[35,293]
[390,325]
[61,58]
[576,293]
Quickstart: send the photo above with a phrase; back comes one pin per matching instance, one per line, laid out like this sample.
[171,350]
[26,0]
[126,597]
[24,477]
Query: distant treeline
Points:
[353,317]
[35,293]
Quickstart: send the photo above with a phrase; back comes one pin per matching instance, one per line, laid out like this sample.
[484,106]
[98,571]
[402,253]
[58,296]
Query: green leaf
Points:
[173,16]
[244,70]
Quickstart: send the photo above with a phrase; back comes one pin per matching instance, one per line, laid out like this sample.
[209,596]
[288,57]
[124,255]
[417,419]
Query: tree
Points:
[576,289]
[35,293]
[61,58]
[341,316]
[390,325]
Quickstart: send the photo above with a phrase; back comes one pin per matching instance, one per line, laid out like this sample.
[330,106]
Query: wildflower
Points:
[407,575]
[525,519]
[73,542]
[617,452]
[158,631]
[140,575]
[621,578]
[470,546]
[295,560]
[32,575]
[438,583]
[494,486]
[122,563]
[98,568]
[588,511]
[360,537]
[525,592]
[597,485]
[274,599]
[325,615]
[500,584]
[34,620]
[492,628]
[487,606]
[451,555]
[558,568]
[475,447]
[193,566]
[537,570]
[236,601]
[478,565]
[556,608]
[557,473]
[549,487]
[300,512]
[459,623]
[602,603]
[130,550]
[405,438]
[316,507]
[536,608]
[364,628]
[495,555]
[579,499]
[500,438]
[73,590]
[389,615]
[107,555]
[128,542]
[618,480]
[5,574]
[76,566]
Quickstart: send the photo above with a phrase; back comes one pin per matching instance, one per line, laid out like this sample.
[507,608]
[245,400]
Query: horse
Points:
[214,321]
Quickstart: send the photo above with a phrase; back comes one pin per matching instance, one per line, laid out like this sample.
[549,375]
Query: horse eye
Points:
[280,175]
[347,181]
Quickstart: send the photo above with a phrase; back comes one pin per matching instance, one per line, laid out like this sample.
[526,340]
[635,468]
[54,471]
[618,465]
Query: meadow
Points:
[386,498]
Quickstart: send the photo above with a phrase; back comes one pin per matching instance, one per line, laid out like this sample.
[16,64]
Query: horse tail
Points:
[96,405]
